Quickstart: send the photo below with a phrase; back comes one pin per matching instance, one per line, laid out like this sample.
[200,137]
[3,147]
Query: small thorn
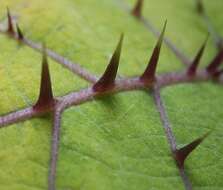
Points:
[149,74]
[137,10]
[46,95]
[19,32]
[200,6]
[107,80]
[182,154]
[211,68]
[10,29]
[193,67]
[220,44]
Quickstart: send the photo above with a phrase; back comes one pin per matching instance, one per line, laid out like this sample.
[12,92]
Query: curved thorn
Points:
[10,29]
[193,67]
[45,99]
[19,32]
[107,80]
[212,67]
[149,73]
[182,153]
[137,10]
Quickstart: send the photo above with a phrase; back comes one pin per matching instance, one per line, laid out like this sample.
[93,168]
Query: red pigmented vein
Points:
[164,118]
[109,84]
[54,148]
[74,67]
[179,155]
[169,133]
[71,66]
[88,94]
[18,116]
[77,98]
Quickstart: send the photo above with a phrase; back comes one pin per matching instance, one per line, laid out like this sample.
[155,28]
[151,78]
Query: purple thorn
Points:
[193,67]
[19,32]
[217,74]
[107,81]
[213,66]
[149,74]
[182,154]
[45,99]
[137,10]
[10,29]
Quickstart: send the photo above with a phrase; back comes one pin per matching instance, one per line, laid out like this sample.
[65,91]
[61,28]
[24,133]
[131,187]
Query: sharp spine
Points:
[107,81]
[19,32]
[137,10]
[193,67]
[149,74]
[182,153]
[45,99]
[10,29]
[213,66]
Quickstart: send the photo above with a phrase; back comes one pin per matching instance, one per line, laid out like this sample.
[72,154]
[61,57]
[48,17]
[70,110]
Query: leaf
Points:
[113,147]
[192,118]
[117,141]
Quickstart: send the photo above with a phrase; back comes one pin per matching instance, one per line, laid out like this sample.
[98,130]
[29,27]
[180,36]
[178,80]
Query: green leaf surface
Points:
[107,144]
[116,142]
[194,110]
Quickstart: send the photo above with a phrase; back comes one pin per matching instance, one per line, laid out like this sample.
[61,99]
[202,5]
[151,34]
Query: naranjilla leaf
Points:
[148,137]
[20,69]
[107,80]
[197,59]
[193,111]
[111,146]
[150,71]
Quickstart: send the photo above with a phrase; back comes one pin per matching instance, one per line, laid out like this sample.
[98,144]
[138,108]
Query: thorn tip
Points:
[10,29]
[193,67]
[19,32]
[182,153]
[107,81]
[137,10]
[215,63]
[45,99]
[149,74]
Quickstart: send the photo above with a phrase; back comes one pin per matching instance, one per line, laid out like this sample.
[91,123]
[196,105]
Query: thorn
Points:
[149,74]
[19,32]
[10,29]
[182,154]
[211,68]
[107,80]
[193,67]
[46,95]
[217,74]
[200,6]
[220,44]
[137,10]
